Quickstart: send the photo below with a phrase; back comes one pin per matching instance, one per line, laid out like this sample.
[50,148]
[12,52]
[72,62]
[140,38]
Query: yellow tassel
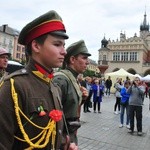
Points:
[1,83]
[53,137]
[45,133]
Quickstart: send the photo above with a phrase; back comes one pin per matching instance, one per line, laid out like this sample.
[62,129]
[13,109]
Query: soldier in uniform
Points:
[75,62]
[31,112]
[4,55]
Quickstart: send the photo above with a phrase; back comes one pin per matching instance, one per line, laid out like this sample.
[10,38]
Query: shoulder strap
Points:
[73,80]
[58,105]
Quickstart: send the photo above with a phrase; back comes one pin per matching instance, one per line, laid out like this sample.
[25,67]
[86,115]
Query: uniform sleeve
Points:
[124,93]
[62,82]
[7,117]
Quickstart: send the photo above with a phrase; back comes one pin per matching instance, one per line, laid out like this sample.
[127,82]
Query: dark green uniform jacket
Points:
[71,97]
[33,92]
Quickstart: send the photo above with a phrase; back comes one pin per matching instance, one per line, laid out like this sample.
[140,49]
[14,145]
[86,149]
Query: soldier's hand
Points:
[84,91]
[73,146]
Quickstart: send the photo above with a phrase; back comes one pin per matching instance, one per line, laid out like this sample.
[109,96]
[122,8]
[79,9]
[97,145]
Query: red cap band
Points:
[43,29]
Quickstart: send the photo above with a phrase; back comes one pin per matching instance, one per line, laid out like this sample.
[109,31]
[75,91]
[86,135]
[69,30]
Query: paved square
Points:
[100,131]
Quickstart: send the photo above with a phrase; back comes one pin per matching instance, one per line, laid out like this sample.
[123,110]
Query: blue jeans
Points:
[108,90]
[123,107]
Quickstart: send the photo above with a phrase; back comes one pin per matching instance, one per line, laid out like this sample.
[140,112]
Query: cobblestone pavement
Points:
[100,131]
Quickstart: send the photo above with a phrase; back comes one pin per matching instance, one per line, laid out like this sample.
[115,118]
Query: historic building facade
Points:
[9,41]
[131,54]
[93,66]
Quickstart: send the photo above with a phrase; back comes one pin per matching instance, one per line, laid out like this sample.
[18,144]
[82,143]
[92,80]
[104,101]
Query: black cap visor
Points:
[60,33]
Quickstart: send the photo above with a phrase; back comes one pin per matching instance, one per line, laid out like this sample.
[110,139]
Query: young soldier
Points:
[30,114]
[76,62]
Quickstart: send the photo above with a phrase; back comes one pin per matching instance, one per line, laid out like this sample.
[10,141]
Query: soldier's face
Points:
[51,53]
[3,61]
[80,63]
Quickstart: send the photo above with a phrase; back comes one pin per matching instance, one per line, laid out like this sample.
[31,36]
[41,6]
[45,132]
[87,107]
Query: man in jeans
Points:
[135,105]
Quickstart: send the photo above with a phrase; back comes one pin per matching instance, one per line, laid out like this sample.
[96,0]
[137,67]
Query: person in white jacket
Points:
[118,86]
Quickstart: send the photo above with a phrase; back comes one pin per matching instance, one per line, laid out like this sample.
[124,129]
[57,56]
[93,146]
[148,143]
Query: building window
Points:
[100,57]
[125,56]
[23,49]
[18,55]
[4,40]
[116,56]
[104,57]
[10,43]
[133,56]
[18,48]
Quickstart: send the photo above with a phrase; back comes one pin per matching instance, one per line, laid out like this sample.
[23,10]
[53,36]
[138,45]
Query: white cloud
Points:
[84,19]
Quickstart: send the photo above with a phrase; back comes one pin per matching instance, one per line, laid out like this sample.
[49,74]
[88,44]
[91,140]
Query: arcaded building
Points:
[131,54]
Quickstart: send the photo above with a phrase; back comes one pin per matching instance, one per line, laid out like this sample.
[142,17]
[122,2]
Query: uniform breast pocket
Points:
[37,113]
[38,106]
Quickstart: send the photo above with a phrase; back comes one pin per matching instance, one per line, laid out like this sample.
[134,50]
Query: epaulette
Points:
[16,73]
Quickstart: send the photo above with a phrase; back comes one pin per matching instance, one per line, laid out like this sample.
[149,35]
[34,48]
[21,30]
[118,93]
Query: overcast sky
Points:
[89,20]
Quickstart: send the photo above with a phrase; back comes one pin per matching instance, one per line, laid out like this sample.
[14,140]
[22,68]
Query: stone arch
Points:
[132,71]
[116,69]
[146,72]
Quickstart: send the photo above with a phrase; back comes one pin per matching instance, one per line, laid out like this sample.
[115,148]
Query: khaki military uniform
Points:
[32,92]
[71,98]
[2,76]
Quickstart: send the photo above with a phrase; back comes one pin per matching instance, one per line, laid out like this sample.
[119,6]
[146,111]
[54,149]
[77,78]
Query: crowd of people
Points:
[129,95]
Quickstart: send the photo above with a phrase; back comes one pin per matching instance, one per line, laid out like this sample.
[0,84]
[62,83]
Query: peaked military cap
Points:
[77,48]
[49,22]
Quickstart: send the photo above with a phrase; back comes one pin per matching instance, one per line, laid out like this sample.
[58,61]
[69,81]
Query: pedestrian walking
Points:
[108,85]
[98,90]
[88,104]
[118,86]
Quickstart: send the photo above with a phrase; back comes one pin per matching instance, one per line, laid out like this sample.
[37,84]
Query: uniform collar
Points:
[44,71]
[75,74]
[40,71]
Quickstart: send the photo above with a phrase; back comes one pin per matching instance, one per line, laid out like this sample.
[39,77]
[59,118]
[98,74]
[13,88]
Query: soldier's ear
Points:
[72,59]
[35,46]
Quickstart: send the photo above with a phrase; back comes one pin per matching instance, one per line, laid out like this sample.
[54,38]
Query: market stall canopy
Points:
[137,75]
[146,78]
[121,73]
